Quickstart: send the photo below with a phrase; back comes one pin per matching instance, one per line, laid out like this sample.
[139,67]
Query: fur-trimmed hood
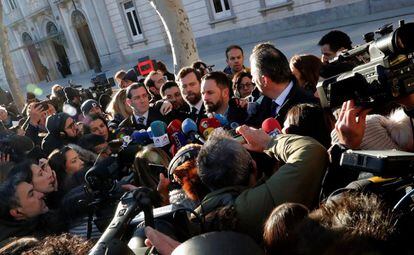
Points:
[87,156]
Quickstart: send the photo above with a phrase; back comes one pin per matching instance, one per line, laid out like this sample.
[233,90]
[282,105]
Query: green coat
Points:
[298,180]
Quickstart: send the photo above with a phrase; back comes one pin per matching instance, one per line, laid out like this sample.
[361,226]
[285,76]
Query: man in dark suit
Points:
[216,93]
[189,81]
[273,78]
[143,114]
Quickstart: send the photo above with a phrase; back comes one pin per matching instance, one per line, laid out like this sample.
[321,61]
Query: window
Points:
[221,8]
[132,20]
[268,5]
[12,4]
[274,2]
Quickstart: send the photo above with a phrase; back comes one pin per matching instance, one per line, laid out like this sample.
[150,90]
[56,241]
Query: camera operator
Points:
[331,45]
[228,170]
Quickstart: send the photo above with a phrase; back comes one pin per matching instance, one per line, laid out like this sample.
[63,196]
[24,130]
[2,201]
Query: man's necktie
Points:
[274,108]
[141,120]
[193,112]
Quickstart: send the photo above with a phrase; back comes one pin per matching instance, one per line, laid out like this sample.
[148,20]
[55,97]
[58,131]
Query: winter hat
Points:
[88,105]
[56,122]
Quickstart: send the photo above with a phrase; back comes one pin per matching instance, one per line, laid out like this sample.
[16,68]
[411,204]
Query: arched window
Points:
[78,19]
[51,29]
[27,39]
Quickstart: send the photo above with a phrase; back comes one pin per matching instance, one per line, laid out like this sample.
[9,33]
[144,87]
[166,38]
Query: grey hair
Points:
[223,162]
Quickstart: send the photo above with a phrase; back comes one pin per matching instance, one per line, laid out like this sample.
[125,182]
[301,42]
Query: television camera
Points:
[383,70]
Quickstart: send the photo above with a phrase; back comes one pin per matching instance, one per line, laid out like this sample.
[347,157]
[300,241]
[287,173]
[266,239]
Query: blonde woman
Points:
[117,109]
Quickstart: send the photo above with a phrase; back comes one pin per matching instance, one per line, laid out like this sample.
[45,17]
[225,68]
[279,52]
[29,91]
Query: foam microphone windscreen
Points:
[188,126]
[149,131]
[272,127]
[174,126]
[176,136]
[159,132]
[208,123]
[141,137]
[223,120]
[207,132]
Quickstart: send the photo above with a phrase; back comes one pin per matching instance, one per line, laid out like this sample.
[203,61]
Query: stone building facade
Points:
[93,34]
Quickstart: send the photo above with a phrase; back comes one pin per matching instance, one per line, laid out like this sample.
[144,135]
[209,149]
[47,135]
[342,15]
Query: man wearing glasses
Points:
[62,130]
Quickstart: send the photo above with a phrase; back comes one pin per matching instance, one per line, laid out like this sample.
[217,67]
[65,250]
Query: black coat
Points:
[197,117]
[297,95]
[130,124]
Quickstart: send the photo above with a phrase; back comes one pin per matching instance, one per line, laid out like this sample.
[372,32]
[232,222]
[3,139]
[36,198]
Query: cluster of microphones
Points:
[179,133]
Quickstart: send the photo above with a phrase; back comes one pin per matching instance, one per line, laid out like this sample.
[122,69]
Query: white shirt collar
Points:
[145,115]
[280,100]
[198,105]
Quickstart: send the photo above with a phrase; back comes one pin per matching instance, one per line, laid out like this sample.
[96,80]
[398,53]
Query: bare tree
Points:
[180,35]
[12,81]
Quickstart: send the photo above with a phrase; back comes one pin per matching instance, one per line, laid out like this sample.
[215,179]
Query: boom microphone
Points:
[159,132]
[189,128]
[272,127]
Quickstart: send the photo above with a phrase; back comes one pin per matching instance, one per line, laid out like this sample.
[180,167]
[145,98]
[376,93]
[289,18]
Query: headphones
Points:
[181,157]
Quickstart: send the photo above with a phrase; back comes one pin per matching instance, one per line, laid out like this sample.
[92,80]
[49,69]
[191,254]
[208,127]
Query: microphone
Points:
[149,131]
[223,120]
[189,128]
[177,137]
[159,132]
[207,125]
[272,127]
[141,137]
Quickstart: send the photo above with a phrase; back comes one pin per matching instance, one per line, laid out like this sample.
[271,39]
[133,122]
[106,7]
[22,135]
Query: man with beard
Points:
[62,130]
[171,92]
[189,81]
[216,92]
[234,60]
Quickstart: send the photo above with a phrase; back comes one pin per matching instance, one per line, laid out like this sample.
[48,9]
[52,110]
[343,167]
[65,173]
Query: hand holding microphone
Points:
[272,127]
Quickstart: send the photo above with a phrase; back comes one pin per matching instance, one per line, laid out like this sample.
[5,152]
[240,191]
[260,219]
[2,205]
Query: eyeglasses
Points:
[71,125]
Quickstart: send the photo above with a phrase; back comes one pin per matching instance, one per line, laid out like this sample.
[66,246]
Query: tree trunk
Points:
[178,29]
[12,81]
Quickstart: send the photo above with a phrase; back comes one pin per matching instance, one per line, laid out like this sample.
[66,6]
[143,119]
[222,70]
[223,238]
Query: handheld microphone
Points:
[272,127]
[223,120]
[208,123]
[141,137]
[176,136]
[207,132]
[149,131]
[189,128]
[159,131]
